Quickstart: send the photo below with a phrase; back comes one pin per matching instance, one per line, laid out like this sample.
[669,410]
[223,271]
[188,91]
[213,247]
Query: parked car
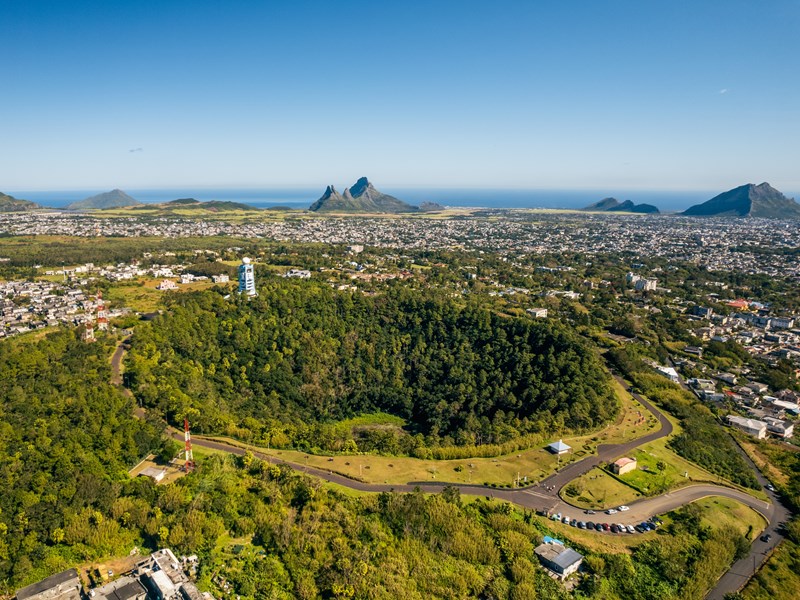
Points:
[766,537]
[611,511]
[581,525]
[630,528]
[574,523]
[623,508]
[614,528]
[565,519]
[598,527]
[606,527]
[589,512]
[589,525]
[770,487]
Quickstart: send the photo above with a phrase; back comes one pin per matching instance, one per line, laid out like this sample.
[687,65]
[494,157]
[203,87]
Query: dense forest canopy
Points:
[67,439]
[302,352]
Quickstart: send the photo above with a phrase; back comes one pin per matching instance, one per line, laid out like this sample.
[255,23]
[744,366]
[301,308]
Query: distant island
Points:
[363,197]
[114,199]
[614,205]
[749,200]
[11,204]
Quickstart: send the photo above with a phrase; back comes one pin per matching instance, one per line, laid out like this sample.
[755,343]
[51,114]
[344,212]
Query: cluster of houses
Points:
[159,576]
[763,334]
[767,414]
[30,305]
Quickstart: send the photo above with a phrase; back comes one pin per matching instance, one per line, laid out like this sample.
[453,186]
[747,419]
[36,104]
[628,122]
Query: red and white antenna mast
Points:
[189,465]
[102,315]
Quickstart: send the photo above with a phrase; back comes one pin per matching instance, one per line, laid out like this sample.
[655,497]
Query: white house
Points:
[752,427]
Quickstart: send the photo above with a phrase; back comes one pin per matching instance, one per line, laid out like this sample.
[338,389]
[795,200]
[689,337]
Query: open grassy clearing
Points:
[141,295]
[665,471]
[598,490]
[719,511]
[535,463]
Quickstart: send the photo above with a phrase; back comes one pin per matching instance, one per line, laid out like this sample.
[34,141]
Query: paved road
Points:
[116,361]
[740,573]
[544,497]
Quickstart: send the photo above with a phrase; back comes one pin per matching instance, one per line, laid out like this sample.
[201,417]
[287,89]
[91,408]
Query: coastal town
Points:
[765,246]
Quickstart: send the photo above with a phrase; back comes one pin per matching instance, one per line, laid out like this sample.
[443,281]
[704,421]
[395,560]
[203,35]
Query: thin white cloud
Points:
[723,91]
[136,150]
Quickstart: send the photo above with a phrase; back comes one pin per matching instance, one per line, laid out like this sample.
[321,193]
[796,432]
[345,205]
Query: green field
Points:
[535,463]
[598,489]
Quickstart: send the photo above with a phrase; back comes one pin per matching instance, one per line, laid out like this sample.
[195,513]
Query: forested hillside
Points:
[67,439]
[302,353]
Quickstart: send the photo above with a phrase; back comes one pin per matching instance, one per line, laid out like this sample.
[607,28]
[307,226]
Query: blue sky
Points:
[550,94]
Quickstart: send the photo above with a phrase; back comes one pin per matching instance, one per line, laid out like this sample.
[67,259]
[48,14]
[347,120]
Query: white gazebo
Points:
[559,447]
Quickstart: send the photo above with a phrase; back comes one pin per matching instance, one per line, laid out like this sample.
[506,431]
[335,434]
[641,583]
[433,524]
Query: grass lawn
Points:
[719,511]
[535,463]
[142,295]
[779,579]
[597,489]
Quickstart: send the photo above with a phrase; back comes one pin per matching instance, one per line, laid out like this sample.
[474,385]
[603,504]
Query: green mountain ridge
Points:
[749,200]
[116,198]
[11,204]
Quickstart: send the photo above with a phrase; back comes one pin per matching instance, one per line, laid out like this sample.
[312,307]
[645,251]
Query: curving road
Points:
[543,496]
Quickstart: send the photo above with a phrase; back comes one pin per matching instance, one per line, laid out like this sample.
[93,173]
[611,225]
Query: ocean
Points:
[473,197]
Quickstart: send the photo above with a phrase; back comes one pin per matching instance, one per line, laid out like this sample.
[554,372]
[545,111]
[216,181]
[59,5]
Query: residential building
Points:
[167,284]
[669,373]
[560,560]
[779,428]
[752,427]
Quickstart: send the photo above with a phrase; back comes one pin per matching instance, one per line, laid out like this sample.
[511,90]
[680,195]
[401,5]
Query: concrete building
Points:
[646,285]
[669,373]
[61,586]
[537,313]
[752,427]
[560,560]
[624,465]
[124,588]
[222,278]
[247,278]
[154,473]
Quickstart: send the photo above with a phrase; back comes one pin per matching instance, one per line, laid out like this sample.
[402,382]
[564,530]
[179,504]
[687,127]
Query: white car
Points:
[623,508]
[611,511]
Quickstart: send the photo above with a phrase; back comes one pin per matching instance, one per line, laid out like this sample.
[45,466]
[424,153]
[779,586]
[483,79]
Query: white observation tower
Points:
[247,279]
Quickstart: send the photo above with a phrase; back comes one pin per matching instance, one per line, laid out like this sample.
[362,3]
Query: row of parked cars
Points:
[643,527]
